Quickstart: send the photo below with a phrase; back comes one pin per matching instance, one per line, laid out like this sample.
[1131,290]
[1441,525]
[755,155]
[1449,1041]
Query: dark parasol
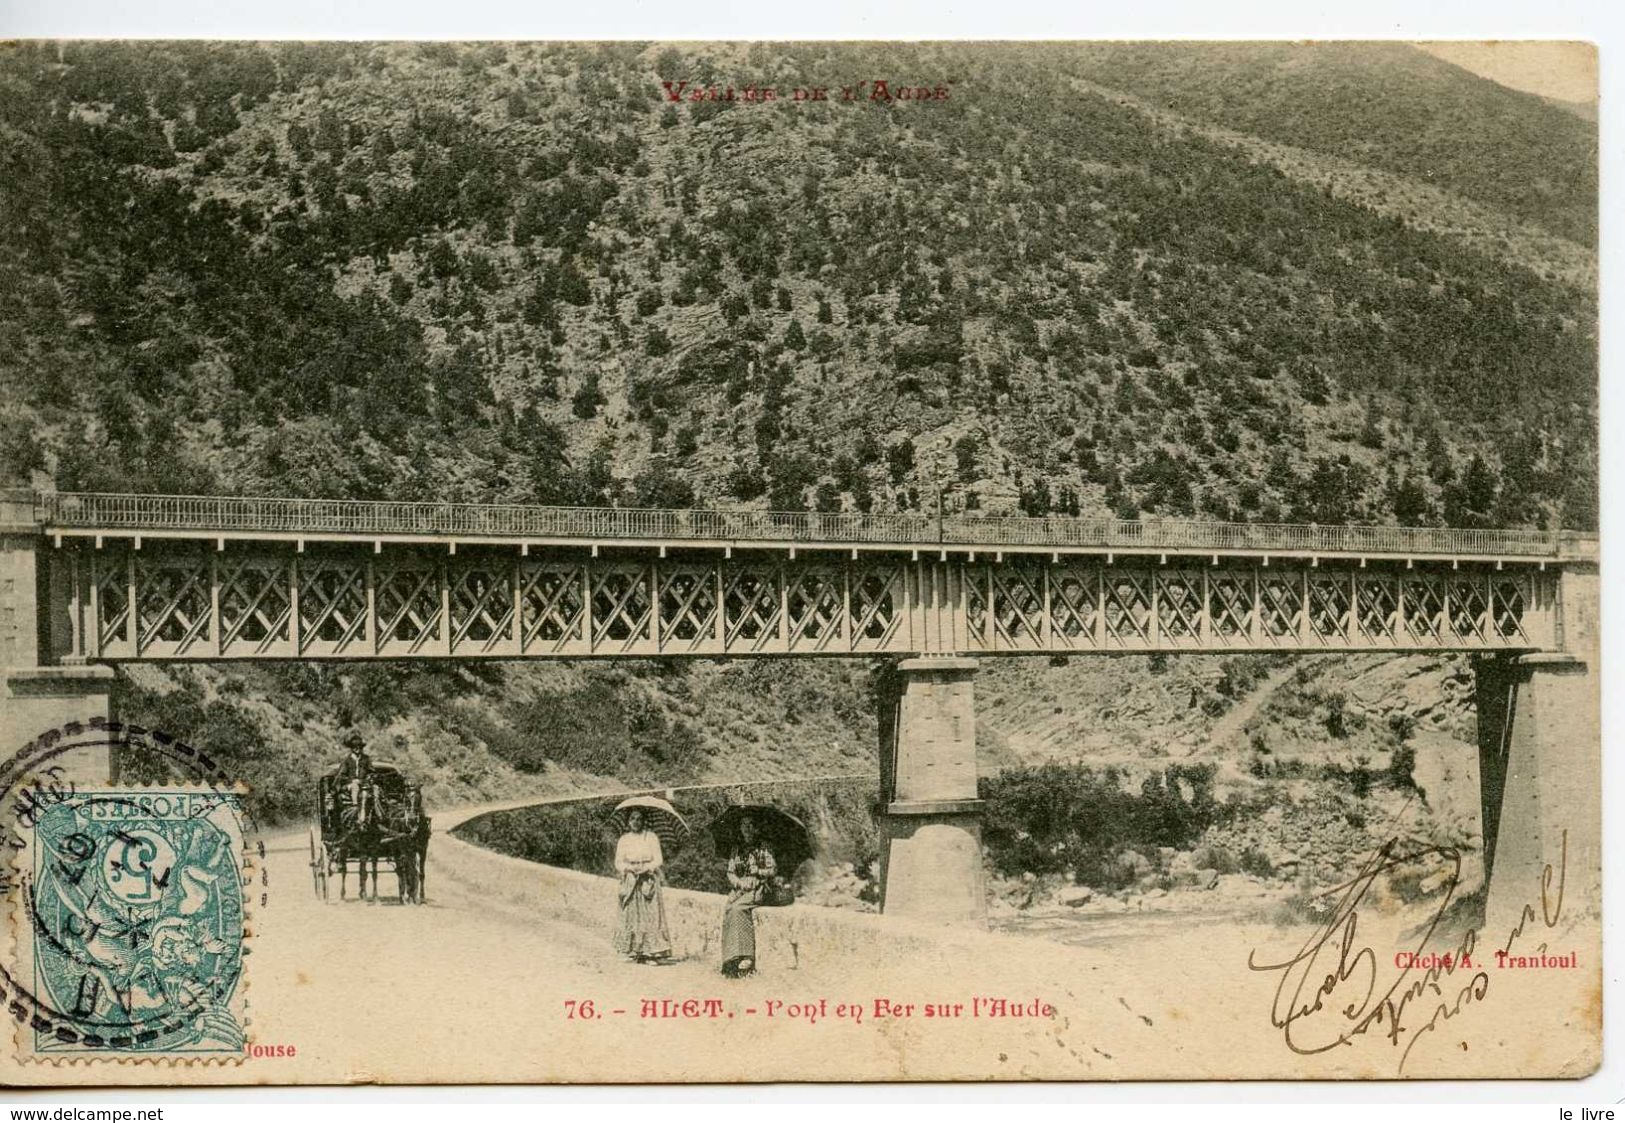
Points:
[786,836]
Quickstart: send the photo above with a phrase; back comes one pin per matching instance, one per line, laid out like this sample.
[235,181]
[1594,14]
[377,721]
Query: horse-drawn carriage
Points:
[365,823]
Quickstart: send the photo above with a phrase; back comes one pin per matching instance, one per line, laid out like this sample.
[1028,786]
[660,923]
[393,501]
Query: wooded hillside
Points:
[517,273]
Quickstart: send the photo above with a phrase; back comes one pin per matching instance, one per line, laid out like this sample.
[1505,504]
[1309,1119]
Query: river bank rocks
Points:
[838,886]
[1061,907]
[1324,836]
[1272,854]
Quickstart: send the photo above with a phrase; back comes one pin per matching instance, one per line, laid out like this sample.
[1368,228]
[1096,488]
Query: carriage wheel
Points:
[315,869]
[318,868]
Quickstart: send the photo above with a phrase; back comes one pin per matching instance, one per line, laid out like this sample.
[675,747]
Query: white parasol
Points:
[658,816]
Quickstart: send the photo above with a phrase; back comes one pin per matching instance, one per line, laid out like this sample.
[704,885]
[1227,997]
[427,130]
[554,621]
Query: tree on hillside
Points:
[1522,483]
[1441,468]
[571,286]
[1409,501]
[588,397]
[20,453]
[967,454]
[900,460]
[659,486]
[1471,502]
[1333,492]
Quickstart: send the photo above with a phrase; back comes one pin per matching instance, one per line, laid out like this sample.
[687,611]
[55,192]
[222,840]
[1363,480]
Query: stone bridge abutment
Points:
[1540,768]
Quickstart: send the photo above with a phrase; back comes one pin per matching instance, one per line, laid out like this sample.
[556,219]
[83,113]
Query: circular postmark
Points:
[130,901]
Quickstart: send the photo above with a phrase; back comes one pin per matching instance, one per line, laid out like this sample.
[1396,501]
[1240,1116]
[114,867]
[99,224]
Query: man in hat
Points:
[356,772]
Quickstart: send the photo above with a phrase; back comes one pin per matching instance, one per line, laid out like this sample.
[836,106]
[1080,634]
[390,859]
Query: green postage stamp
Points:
[131,925]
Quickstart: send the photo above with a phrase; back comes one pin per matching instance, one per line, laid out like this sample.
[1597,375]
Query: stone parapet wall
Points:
[795,936]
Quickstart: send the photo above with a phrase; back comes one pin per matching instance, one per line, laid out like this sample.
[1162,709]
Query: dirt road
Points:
[474,985]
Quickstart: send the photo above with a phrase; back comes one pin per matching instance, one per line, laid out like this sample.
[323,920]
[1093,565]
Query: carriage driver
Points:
[356,771]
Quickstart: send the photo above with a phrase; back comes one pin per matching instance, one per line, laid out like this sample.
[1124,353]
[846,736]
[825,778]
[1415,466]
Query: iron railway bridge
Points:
[92,580]
[150,577]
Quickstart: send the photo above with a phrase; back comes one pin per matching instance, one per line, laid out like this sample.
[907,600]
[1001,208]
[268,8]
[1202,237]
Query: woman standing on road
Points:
[750,872]
[641,935]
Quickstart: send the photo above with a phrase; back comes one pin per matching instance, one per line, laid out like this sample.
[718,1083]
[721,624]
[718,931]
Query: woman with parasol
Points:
[749,836]
[640,859]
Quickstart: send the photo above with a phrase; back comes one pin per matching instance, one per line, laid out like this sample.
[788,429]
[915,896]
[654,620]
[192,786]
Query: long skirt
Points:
[738,934]
[642,931]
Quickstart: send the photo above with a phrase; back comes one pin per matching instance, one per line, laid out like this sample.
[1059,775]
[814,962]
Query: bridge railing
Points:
[364,517]
[1190,534]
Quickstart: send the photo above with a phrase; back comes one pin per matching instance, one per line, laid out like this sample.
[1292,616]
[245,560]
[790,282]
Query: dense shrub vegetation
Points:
[514,273]
[1070,818]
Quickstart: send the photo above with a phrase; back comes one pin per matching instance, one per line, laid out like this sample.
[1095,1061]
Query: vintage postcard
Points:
[625,562]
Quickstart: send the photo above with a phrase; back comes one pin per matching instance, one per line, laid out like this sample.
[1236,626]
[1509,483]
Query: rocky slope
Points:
[520,272]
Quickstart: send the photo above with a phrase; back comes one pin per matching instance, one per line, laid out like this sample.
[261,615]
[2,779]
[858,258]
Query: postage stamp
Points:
[132,923]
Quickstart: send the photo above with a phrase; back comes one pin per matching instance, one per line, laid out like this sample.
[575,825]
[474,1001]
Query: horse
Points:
[362,838]
[412,850]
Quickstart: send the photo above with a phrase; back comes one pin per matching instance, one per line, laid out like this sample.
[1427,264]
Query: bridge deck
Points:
[312,578]
[160,516]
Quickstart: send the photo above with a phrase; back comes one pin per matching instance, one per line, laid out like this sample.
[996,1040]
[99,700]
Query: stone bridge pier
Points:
[931,831]
[1540,770]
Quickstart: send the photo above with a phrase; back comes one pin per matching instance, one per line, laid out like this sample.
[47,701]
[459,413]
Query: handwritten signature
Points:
[1333,989]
